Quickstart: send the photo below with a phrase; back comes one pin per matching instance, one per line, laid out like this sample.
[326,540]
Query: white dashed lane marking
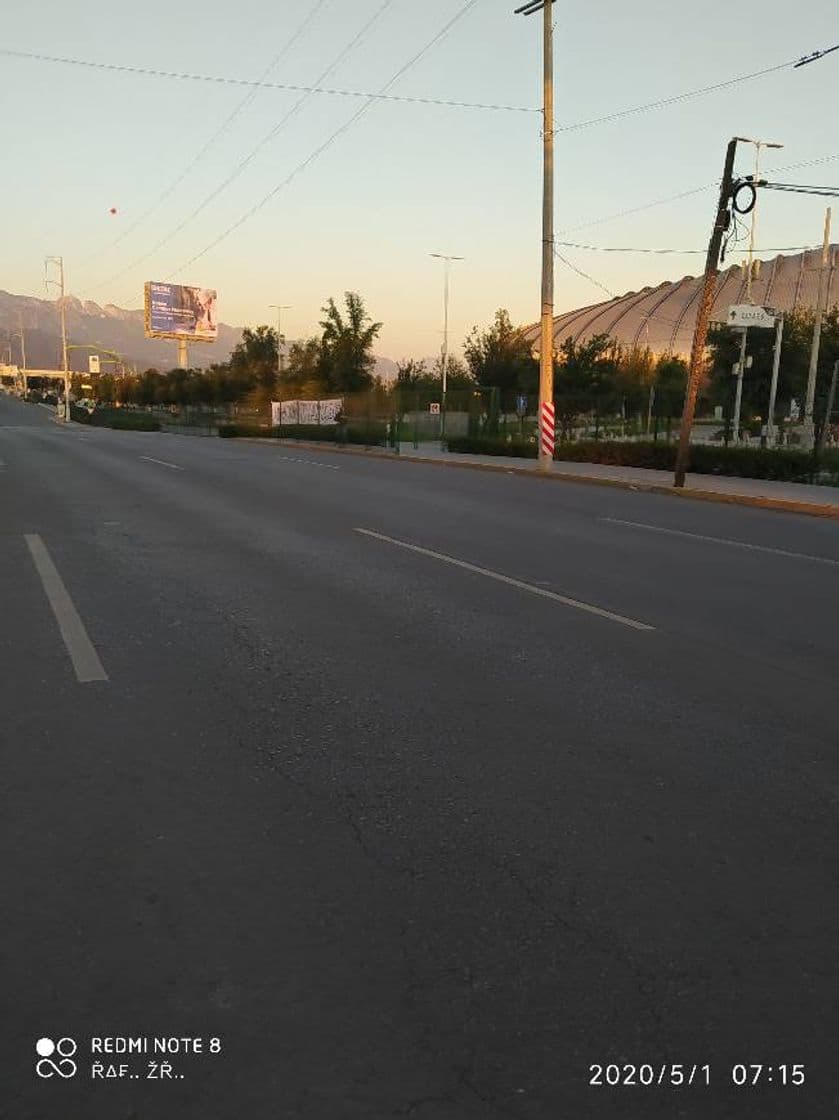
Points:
[84,657]
[577,604]
[722,540]
[162,463]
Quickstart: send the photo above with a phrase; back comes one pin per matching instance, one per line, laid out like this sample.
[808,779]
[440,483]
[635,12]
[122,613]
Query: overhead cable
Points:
[222,128]
[345,127]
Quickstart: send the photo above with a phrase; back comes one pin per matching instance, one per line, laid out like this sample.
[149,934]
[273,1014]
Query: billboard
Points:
[180,311]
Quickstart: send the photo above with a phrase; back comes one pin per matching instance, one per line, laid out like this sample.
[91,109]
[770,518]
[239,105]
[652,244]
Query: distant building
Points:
[663,318]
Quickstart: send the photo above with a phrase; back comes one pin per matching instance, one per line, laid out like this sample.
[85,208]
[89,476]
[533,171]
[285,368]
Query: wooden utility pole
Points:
[703,315]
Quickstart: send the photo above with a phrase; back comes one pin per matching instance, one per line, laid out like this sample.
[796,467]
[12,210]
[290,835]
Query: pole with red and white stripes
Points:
[547,434]
[547,423]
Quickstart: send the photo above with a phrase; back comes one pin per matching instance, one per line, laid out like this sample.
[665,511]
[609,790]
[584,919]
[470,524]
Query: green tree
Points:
[346,348]
[724,344]
[413,375]
[586,380]
[671,374]
[499,357]
[458,375]
[253,362]
[302,375]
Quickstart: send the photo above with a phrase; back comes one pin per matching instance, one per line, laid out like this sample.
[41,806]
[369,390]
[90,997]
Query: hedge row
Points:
[117,418]
[374,434]
[779,464]
[492,445]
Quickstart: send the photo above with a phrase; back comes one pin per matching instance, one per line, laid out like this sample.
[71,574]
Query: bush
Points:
[492,445]
[373,435]
[231,431]
[117,418]
[780,464]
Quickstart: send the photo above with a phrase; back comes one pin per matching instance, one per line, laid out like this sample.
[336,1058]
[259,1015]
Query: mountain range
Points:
[95,328]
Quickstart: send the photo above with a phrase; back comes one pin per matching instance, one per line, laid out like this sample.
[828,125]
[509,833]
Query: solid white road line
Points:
[520,584]
[723,540]
[85,659]
[162,462]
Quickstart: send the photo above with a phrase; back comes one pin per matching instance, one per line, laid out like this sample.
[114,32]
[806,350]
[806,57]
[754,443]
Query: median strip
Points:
[577,604]
[722,540]
[84,657]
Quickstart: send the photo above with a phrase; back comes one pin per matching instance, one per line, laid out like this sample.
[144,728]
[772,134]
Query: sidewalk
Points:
[794,497]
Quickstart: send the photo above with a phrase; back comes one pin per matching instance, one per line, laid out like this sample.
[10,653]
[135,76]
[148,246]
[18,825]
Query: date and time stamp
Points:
[677,1075]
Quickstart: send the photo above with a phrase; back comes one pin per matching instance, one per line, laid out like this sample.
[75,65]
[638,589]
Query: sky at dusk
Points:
[364,211]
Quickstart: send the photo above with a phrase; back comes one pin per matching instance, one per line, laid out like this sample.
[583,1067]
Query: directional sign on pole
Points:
[93,363]
[747,315]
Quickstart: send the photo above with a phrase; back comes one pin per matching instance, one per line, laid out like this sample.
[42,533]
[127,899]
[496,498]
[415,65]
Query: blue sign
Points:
[179,311]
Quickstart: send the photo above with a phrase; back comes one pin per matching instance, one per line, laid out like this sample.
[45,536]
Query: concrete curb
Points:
[783,505]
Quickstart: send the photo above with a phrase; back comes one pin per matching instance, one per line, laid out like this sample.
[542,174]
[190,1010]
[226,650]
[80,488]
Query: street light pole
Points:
[444,357]
[547,417]
[280,308]
[741,371]
[58,262]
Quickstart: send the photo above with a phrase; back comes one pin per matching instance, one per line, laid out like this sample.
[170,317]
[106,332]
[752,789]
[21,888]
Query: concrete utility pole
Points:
[280,308]
[828,412]
[58,262]
[809,435]
[771,432]
[22,336]
[703,315]
[447,259]
[547,418]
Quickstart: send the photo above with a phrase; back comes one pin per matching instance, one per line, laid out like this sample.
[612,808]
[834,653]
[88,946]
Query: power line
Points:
[664,102]
[677,252]
[239,108]
[687,194]
[620,114]
[359,113]
[246,160]
[638,209]
[284,87]
[585,275]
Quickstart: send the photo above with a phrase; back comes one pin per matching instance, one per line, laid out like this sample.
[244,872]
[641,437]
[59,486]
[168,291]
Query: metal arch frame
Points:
[671,291]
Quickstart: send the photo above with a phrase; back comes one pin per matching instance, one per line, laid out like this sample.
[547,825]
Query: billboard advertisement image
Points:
[180,311]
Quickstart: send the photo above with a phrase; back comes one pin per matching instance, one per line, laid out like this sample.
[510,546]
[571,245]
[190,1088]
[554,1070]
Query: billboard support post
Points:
[183,354]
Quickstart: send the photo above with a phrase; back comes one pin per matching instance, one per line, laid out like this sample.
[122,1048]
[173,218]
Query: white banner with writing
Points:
[306,412]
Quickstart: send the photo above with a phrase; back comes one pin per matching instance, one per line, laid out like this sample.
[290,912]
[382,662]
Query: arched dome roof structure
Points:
[663,318]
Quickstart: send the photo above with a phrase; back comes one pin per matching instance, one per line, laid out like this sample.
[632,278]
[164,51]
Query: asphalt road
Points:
[412,830]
